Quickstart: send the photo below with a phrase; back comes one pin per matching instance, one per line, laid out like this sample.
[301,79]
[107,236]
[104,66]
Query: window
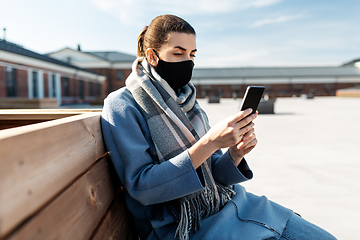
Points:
[10,76]
[53,86]
[119,76]
[91,88]
[81,89]
[66,87]
[35,84]
[98,89]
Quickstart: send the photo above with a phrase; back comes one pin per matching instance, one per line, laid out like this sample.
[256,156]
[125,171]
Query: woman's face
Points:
[179,47]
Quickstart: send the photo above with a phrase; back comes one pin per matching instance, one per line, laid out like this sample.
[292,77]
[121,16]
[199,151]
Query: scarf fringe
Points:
[225,193]
[193,210]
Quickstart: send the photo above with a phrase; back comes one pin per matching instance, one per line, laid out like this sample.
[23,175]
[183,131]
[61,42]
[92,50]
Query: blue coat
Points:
[132,152]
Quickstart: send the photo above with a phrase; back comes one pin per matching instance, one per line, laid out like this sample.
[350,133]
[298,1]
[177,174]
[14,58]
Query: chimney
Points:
[79,48]
[4,34]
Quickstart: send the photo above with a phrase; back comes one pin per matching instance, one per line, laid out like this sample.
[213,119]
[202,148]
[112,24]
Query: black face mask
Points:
[176,74]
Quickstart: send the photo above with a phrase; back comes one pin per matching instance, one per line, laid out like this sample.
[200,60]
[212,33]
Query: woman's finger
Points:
[247,120]
[249,133]
[251,143]
[247,141]
[247,128]
[242,115]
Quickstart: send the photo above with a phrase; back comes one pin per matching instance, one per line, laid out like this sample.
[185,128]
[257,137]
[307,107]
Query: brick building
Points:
[114,65]
[279,81]
[228,82]
[27,74]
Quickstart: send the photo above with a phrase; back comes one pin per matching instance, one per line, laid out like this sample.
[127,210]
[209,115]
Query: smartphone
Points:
[252,98]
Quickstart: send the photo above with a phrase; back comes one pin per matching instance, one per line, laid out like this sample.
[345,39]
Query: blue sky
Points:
[230,33]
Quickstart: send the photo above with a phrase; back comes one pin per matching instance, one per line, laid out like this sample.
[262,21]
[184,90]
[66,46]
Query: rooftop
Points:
[276,72]
[353,62]
[114,56]
[17,49]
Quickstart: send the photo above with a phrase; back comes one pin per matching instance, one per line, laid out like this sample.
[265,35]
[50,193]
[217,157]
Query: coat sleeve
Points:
[128,140]
[226,172]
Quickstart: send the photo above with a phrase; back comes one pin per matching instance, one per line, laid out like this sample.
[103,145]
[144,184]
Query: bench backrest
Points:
[56,180]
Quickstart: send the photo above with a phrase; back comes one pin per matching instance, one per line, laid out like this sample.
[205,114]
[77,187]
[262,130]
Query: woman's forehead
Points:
[182,41]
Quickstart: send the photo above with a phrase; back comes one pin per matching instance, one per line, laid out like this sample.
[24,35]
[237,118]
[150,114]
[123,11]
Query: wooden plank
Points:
[35,116]
[77,211]
[39,114]
[57,110]
[12,103]
[38,161]
[15,118]
[11,119]
[351,92]
[6,124]
[117,222]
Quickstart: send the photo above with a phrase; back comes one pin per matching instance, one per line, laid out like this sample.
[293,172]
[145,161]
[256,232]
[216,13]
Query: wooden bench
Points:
[349,92]
[56,179]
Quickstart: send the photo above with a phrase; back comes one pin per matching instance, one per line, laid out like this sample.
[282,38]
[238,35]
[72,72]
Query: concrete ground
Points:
[307,158]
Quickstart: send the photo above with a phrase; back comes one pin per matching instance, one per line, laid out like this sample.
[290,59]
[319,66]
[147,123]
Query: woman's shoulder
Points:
[120,98]
[118,95]
[121,104]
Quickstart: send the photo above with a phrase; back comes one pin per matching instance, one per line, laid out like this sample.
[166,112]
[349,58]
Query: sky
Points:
[230,33]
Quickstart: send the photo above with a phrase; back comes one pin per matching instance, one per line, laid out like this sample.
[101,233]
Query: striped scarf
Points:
[171,123]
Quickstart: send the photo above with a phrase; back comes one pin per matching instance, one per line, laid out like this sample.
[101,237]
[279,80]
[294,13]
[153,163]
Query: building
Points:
[30,75]
[227,82]
[353,63]
[278,81]
[114,65]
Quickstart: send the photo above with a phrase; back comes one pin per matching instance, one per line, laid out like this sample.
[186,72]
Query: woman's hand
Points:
[238,151]
[230,132]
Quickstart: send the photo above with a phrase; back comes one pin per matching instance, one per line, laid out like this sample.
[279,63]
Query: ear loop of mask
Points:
[156,54]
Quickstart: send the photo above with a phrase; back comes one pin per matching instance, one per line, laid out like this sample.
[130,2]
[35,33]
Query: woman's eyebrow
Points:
[184,49]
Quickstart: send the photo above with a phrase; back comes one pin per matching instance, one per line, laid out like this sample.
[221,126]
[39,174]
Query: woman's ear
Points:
[151,57]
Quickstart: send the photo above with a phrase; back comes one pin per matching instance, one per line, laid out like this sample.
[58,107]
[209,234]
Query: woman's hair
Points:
[156,34]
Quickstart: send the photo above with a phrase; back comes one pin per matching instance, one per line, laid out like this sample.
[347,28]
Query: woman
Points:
[179,184]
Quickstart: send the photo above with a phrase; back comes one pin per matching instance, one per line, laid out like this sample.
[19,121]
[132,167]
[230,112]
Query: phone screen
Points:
[252,98]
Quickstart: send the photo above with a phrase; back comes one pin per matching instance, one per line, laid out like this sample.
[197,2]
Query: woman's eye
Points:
[180,54]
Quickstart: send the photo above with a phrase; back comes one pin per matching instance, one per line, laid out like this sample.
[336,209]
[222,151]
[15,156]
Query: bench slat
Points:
[77,211]
[39,161]
[117,222]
